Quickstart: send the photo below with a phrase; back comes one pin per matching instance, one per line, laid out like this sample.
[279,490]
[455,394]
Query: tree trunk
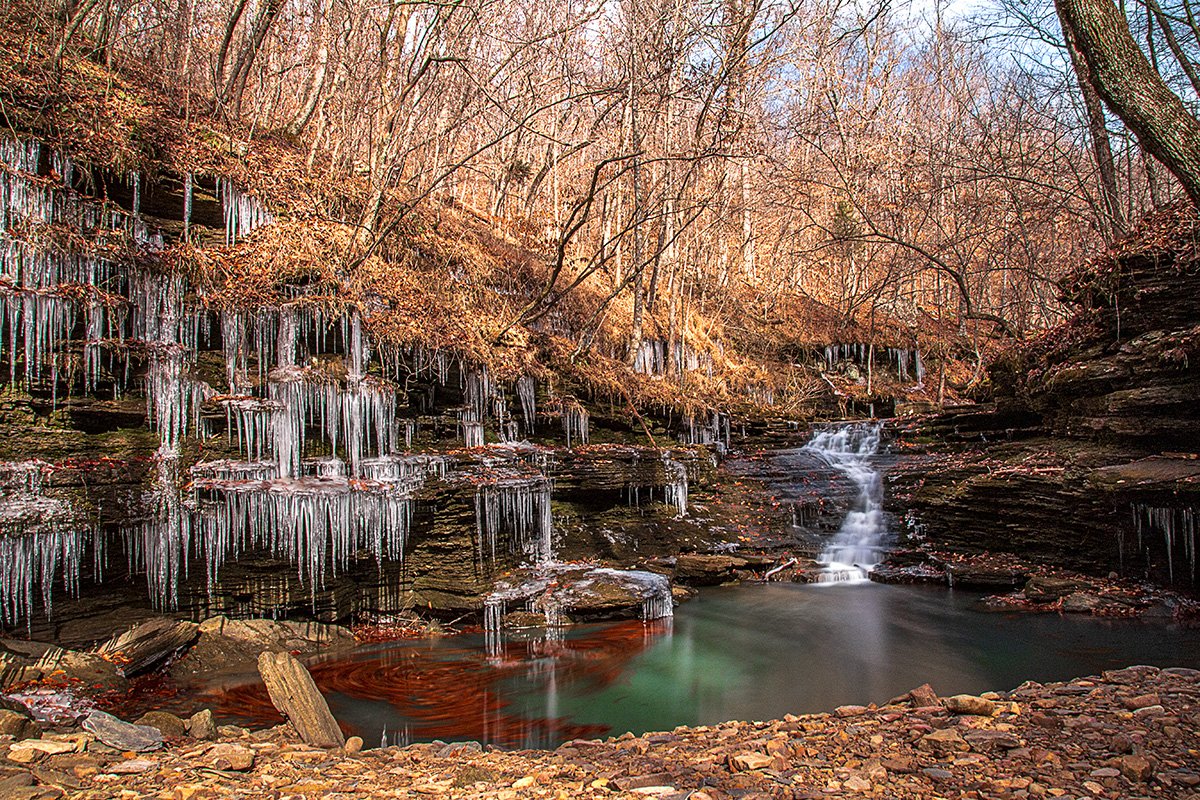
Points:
[235,85]
[1120,73]
[1106,169]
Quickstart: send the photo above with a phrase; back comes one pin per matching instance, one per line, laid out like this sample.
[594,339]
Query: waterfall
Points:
[855,548]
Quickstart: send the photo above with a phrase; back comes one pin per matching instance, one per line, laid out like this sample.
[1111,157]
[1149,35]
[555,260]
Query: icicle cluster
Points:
[41,536]
[652,358]
[676,485]
[512,513]
[40,283]
[527,394]
[714,431]
[310,522]
[904,361]
[575,422]
[1176,526]
[243,212]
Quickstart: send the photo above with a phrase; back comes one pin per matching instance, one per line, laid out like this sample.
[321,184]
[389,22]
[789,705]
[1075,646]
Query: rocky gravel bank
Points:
[1131,733]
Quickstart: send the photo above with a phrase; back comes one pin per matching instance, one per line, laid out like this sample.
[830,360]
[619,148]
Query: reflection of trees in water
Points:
[456,693]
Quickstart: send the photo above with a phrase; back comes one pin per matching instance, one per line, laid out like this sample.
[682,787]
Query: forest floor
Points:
[1132,733]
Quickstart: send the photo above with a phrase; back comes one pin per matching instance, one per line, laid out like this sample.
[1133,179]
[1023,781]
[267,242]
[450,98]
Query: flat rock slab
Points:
[121,735]
[293,692]
[1148,471]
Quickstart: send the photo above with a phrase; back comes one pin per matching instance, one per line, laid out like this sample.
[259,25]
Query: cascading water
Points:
[855,548]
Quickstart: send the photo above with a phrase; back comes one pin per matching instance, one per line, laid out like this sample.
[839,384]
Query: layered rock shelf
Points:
[1086,455]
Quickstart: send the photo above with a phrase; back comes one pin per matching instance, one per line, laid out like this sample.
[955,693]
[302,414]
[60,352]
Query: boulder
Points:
[743,762]
[17,725]
[234,757]
[23,661]
[923,696]
[969,704]
[169,725]
[1081,603]
[202,725]
[977,576]
[1047,589]
[233,645]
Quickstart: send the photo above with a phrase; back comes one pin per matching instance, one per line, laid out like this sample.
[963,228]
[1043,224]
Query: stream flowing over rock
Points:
[858,544]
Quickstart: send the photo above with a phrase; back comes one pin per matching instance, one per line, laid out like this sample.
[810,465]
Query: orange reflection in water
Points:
[454,689]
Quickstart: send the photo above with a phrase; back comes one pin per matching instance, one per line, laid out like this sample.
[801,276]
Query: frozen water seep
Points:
[1176,526]
[512,512]
[676,485]
[575,422]
[243,211]
[411,469]
[556,589]
[857,545]
[208,472]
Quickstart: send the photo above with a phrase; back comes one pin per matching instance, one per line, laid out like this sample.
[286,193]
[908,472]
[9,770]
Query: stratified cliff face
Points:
[1126,367]
[1085,459]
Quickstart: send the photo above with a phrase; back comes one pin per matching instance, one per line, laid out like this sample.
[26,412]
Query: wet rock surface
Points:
[1075,739]
[1087,456]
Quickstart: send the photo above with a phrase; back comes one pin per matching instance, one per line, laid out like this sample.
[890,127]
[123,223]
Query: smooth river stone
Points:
[123,735]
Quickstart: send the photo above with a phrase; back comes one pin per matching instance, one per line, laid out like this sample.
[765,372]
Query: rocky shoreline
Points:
[1130,733]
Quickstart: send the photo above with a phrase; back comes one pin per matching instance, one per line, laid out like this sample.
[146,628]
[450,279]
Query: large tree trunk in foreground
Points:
[1132,88]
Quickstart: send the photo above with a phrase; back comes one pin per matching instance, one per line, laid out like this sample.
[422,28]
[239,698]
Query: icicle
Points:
[575,422]
[518,507]
[317,524]
[243,212]
[676,485]
[233,343]
[135,182]
[527,394]
[471,428]
[187,203]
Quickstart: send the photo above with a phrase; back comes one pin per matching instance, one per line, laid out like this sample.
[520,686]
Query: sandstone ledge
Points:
[1131,733]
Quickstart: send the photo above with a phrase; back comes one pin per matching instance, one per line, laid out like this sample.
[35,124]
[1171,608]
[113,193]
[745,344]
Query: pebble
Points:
[231,757]
[133,766]
[969,704]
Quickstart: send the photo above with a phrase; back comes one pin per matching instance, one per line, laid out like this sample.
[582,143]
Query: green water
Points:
[751,652]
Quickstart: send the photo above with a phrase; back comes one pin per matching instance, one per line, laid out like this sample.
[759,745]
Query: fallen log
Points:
[295,695]
[793,562]
[147,645]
